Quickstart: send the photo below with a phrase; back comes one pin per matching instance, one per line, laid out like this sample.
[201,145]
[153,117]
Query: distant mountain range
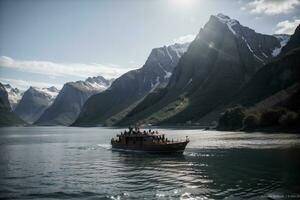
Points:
[40,106]
[110,106]
[70,100]
[34,102]
[197,83]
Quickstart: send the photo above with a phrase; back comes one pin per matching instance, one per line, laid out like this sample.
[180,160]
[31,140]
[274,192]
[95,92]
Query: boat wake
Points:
[104,146]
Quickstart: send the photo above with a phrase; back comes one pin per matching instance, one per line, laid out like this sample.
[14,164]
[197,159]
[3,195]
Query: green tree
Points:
[232,118]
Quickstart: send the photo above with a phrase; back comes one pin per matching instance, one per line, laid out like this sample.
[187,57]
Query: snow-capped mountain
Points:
[97,84]
[263,48]
[51,92]
[34,101]
[70,100]
[223,57]
[14,95]
[164,58]
[126,91]
[7,117]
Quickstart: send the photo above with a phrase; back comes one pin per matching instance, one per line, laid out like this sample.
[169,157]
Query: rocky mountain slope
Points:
[278,75]
[270,100]
[70,100]
[14,95]
[219,62]
[7,117]
[128,90]
[34,102]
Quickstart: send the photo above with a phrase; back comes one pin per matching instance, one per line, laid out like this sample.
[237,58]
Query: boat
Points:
[147,141]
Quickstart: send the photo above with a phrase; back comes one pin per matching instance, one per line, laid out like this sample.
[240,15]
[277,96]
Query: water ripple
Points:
[214,166]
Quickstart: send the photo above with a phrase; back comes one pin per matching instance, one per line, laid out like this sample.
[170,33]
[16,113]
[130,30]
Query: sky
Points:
[46,43]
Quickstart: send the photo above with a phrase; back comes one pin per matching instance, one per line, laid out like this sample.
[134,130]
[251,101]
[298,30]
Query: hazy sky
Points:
[49,42]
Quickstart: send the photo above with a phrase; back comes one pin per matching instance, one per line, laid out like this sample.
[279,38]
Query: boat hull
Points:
[178,147]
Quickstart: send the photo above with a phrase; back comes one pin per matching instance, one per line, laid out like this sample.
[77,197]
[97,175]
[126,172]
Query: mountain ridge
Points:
[70,100]
[131,87]
[34,101]
[214,67]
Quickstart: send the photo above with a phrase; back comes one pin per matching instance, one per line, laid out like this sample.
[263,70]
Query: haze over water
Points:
[78,163]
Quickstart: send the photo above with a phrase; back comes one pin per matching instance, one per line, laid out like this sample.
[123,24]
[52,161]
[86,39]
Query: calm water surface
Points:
[77,163]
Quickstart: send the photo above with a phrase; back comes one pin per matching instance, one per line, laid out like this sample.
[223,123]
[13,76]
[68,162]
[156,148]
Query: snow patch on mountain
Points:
[251,50]
[155,85]
[249,47]
[228,21]
[179,49]
[164,57]
[168,75]
[98,83]
[14,95]
[258,58]
[51,92]
[265,55]
[283,39]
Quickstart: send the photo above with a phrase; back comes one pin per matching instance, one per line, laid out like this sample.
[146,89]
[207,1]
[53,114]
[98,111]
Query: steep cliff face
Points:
[7,117]
[222,58]
[4,97]
[278,75]
[112,105]
[34,102]
[270,99]
[292,43]
[70,100]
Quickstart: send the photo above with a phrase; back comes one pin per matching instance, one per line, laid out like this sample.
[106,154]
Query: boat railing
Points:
[156,138]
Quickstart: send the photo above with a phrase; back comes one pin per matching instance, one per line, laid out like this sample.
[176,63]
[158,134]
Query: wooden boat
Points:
[152,142]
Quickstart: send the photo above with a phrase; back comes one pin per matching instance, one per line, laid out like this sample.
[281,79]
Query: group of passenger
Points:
[154,134]
[137,131]
[136,135]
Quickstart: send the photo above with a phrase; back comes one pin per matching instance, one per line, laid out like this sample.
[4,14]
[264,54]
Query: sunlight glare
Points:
[183,3]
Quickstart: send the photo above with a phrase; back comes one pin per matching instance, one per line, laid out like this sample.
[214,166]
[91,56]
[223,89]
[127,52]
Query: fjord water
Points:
[78,163]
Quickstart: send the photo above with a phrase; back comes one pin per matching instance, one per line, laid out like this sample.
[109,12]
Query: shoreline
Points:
[182,127]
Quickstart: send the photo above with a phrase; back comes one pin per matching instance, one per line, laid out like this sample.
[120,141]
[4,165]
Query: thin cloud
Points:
[271,7]
[184,39]
[24,85]
[287,27]
[63,69]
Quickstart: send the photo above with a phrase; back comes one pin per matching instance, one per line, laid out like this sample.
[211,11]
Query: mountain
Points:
[7,117]
[283,38]
[14,95]
[70,100]
[293,43]
[270,99]
[34,102]
[278,75]
[128,90]
[219,62]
